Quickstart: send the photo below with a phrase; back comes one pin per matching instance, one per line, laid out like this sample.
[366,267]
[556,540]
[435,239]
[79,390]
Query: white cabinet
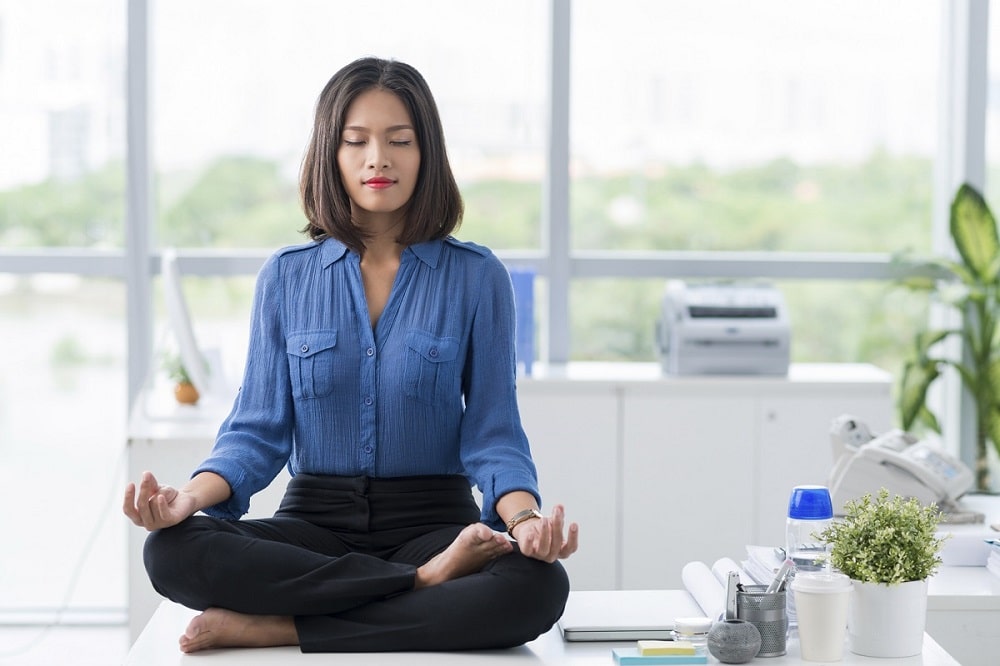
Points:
[573,430]
[695,468]
[687,487]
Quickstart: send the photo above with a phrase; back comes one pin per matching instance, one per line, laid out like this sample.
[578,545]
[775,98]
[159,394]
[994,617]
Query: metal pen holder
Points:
[767,612]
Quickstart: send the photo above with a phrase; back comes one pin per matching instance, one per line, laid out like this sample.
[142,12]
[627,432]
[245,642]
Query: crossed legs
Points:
[286,582]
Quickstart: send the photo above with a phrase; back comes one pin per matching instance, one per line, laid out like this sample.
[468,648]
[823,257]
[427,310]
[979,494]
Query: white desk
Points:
[963,602]
[157,646]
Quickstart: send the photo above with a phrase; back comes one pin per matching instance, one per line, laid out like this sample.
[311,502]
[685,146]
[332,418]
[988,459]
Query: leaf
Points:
[919,283]
[974,232]
[885,540]
[924,275]
[993,427]
[917,378]
[993,379]
[927,417]
[967,375]
[927,339]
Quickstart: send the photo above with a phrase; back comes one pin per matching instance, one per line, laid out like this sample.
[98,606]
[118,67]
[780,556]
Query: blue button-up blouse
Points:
[431,390]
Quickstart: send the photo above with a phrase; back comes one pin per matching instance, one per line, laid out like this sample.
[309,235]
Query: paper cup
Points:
[821,601]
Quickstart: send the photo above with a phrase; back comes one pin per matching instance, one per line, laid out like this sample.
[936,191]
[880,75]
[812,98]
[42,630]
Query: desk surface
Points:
[157,646]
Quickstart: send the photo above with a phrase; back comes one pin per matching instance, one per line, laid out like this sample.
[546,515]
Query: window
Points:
[62,433]
[62,124]
[992,190]
[235,91]
[763,127]
[62,373]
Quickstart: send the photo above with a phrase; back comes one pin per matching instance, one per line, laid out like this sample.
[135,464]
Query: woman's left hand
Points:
[543,538]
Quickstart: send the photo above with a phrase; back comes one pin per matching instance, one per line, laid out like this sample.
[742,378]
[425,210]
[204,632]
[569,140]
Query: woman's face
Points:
[378,156]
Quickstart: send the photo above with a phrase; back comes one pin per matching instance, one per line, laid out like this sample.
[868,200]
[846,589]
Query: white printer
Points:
[723,328]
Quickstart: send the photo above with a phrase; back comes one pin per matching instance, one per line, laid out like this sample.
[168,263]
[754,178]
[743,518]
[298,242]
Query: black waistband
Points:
[365,504]
[367,484]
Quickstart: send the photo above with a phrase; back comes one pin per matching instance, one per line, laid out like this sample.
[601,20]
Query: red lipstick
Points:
[379,182]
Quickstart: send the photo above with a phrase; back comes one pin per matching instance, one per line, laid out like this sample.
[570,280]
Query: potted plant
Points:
[972,286]
[888,547]
[184,390]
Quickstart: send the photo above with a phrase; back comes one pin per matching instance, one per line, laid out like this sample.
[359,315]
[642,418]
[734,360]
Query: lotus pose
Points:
[381,371]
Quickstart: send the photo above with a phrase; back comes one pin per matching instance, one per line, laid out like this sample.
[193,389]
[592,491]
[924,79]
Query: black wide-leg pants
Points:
[340,556]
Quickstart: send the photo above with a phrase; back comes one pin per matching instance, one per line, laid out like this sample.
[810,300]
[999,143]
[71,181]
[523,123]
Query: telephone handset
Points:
[895,460]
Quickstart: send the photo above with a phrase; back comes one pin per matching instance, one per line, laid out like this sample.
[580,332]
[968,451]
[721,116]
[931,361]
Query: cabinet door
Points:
[574,441]
[795,446]
[687,490]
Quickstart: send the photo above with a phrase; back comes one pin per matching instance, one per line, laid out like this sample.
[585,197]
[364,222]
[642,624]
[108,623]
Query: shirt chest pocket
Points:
[430,373]
[312,357]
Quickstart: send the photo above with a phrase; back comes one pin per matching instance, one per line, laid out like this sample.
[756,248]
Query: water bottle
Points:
[810,511]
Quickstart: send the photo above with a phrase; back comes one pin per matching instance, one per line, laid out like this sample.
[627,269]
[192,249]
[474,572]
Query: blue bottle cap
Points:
[810,503]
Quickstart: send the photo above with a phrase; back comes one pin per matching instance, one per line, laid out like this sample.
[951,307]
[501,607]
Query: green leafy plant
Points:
[885,540]
[971,286]
[175,369]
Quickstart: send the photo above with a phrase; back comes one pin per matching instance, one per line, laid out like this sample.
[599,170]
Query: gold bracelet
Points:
[520,517]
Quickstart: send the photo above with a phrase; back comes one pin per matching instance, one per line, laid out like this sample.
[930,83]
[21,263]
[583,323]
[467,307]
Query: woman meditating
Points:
[381,371]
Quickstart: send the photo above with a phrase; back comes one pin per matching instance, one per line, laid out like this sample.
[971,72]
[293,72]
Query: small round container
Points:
[693,630]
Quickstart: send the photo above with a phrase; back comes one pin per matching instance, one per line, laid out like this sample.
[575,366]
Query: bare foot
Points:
[474,546]
[217,628]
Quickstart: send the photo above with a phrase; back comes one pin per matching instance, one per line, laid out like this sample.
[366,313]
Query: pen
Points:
[780,577]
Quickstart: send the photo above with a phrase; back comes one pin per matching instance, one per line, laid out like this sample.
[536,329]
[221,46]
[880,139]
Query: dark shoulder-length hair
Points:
[435,209]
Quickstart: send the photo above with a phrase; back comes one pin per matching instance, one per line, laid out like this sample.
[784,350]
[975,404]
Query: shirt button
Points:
[434,352]
[368,449]
[368,400]
[304,348]
[370,351]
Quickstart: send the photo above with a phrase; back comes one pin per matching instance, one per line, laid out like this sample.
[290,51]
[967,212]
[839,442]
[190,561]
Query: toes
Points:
[481,532]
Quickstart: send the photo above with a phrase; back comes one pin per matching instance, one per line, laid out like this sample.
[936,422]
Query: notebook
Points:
[625,615]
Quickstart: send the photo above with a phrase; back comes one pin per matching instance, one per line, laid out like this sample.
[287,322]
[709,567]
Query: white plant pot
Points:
[887,620]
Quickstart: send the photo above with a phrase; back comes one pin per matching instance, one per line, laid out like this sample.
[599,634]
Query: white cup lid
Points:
[692,625]
[821,581]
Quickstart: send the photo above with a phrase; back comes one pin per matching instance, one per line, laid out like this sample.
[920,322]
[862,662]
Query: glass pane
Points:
[62,123]
[615,320]
[992,192]
[235,91]
[772,125]
[62,438]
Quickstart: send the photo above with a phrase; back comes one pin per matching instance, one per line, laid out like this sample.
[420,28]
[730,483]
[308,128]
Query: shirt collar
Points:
[428,252]
[332,250]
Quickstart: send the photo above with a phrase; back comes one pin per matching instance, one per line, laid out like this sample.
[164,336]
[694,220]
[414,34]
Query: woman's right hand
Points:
[154,506]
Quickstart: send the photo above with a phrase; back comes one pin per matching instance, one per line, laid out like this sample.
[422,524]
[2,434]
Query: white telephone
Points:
[895,460]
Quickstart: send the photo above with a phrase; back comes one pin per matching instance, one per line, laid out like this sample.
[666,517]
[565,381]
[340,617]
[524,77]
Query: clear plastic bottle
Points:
[810,511]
